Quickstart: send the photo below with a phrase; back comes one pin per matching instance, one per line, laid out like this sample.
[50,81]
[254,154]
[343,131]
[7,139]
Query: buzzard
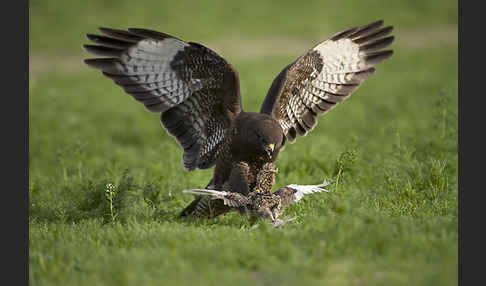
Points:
[197,94]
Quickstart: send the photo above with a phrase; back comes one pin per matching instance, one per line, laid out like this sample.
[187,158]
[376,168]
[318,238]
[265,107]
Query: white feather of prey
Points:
[308,189]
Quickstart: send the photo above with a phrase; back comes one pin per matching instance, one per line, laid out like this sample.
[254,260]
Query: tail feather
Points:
[206,192]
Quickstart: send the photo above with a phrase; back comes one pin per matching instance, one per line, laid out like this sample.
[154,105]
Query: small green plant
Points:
[78,149]
[61,160]
[446,116]
[344,163]
[67,156]
[61,215]
[110,194]
[152,197]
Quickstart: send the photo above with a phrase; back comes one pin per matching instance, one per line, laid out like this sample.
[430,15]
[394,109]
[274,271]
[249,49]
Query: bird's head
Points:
[260,136]
[266,143]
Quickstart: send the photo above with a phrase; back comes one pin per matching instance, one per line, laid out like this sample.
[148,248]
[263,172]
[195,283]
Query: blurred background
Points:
[237,30]
[393,222]
[258,38]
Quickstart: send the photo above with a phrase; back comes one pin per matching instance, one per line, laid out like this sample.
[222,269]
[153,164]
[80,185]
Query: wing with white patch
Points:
[230,199]
[195,89]
[324,76]
[294,193]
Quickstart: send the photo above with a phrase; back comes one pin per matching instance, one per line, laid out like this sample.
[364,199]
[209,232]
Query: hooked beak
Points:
[269,149]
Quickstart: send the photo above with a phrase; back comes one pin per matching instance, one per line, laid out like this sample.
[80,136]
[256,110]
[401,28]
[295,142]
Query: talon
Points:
[278,222]
[258,190]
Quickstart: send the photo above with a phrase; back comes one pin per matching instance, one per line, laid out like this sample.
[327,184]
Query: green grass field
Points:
[392,220]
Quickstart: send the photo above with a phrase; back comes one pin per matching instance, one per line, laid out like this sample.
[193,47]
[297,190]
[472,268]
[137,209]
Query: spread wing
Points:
[324,76]
[293,193]
[195,90]
[230,199]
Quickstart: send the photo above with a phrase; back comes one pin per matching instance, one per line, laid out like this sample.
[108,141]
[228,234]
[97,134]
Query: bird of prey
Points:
[259,202]
[197,94]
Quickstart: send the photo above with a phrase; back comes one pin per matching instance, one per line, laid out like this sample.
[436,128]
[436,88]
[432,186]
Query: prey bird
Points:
[259,202]
[197,94]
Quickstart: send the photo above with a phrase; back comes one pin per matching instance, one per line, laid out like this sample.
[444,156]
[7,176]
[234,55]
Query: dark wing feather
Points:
[324,76]
[195,89]
[235,200]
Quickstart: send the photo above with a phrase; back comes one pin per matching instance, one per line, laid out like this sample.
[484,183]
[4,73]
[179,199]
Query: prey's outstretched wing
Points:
[324,76]
[195,89]
[293,193]
[230,199]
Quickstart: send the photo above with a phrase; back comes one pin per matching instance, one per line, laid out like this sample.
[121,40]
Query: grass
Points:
[392,219]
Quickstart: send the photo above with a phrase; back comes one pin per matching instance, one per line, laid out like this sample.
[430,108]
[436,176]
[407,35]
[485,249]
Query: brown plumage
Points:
[260,202]
[198,95]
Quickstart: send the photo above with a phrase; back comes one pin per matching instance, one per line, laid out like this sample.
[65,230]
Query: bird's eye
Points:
[258,136]
[261,138]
